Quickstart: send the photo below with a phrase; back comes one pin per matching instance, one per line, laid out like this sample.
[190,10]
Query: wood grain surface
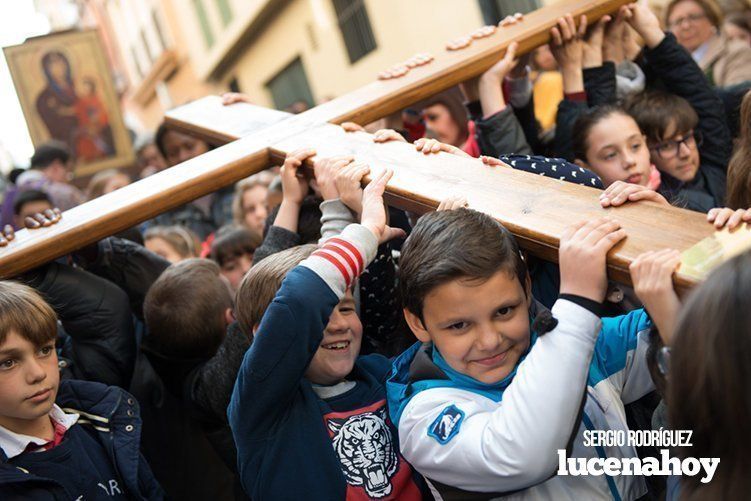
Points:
[535,209]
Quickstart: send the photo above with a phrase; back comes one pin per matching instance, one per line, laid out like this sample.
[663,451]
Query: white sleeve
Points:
[510,445]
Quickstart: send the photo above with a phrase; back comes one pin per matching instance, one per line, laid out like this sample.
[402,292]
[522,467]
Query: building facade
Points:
[165,53]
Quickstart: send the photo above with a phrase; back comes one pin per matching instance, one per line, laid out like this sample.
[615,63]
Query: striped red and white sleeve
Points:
[340,260]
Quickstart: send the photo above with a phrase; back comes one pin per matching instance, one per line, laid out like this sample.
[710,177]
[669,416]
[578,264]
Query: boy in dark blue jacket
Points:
[60,440]
[308,415]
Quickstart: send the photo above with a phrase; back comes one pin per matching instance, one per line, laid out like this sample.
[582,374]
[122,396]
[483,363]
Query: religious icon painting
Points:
[64,84]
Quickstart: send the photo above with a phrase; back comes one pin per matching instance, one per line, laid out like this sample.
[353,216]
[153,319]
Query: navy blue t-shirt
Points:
[79,464]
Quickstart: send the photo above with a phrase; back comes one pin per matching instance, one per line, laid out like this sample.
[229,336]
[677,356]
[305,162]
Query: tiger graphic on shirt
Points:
[368,454]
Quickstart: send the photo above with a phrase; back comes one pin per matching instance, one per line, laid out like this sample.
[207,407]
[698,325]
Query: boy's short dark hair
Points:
[233,241]
[448,245]
[23,311]
[29,196]
[655,111]
[48,152]
[262,282]
[185,309]
[309,223]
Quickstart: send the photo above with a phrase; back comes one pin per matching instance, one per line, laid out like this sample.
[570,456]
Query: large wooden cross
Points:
[534,208]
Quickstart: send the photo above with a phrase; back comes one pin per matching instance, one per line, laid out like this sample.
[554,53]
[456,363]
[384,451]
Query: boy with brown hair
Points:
[498,386]
[187,311]
[60,439]
[307,413]
[686,127]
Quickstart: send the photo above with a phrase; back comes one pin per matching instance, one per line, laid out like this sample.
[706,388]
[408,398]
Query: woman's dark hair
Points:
[455,244]
[161,131]
[161,134]
[709,381]
[47,61]
[452,100]
[48,152]
[233,241]
[28,196]
[739,168]
[586,122]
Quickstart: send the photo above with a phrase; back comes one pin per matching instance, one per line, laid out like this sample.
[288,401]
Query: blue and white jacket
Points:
[502,440]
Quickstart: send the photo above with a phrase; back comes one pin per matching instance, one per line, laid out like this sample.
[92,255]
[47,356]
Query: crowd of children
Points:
[292,337]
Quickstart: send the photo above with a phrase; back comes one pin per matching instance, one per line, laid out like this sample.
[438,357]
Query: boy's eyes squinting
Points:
[458,326]
[505,311]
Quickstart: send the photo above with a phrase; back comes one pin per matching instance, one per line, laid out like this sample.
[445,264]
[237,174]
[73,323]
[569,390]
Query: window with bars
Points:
[495,10]
[290,85]
[225,11]
[203,21]
[158,30]
[354,25]
[147,46]
[137,62]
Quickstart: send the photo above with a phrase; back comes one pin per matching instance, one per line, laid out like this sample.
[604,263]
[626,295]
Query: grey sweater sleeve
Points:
[277,239]
[335,216]
[501,134]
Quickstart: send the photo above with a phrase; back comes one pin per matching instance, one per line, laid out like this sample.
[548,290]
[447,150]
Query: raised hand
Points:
[583,256]
[621,192]
[7,235]
[374,210]
[325,170]
[452,202]
[387,135]
[43,219]
[235,97]
[492,161]
[646,24]
[652,276]
[352,127]
[593,42]
[428,146]
[728,218]
[567,48]
[294,183]
[348,182]
[615,33]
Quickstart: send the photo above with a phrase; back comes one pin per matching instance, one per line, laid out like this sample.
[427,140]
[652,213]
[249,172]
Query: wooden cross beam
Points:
[535,209]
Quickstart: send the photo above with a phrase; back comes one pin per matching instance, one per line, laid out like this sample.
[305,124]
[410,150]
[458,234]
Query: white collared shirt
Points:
[14,444]
[701,51]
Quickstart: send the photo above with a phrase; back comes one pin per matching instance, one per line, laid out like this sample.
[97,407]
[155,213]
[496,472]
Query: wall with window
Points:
[336,50]
[151,43]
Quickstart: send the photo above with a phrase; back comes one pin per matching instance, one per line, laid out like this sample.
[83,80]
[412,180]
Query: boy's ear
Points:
[229,316]
[416,326]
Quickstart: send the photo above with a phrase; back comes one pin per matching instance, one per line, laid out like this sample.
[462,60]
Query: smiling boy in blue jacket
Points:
[307,413]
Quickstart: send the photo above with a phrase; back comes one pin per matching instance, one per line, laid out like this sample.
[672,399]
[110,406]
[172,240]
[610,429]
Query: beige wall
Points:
[308,29]
[301,28]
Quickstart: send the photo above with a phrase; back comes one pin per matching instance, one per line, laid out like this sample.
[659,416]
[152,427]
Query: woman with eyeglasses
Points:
[696,25]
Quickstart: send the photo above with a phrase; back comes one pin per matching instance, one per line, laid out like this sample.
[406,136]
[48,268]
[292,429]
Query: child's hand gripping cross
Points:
[374,211]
